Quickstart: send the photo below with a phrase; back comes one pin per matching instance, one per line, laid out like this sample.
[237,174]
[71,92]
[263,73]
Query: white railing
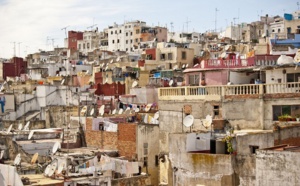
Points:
[217,92]
[241,89]
[282,88]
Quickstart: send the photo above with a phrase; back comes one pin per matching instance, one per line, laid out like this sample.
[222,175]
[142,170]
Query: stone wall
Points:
[277,168]
[127,144]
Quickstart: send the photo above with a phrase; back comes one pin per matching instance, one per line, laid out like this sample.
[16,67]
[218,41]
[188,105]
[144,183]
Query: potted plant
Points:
[298,117]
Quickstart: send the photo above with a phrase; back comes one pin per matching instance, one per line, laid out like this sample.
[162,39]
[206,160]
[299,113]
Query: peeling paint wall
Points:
[277,168]
[198,168]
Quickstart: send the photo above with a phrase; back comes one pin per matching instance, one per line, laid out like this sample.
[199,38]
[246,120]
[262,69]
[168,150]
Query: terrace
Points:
[218,92]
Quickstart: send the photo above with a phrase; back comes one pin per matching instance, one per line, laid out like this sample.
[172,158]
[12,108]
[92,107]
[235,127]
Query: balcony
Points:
[228,63]
[217,92]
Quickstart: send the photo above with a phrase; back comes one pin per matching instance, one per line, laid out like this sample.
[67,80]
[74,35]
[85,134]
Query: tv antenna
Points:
[187,25]
[65,28]
[92,26]
[298,5]
[216,19]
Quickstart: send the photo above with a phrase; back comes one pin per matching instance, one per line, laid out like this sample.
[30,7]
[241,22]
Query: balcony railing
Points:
[228,63]
[217,92]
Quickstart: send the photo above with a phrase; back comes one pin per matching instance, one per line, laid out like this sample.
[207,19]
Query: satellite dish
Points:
[34,158]
[175,67]
[111,61]
[26,127]
[188,120]
[127,112]
[183,66]
[156,115]
[148,107]
[83,110]
[207,122]
[62,82]
[128,108]
[106,80]
[20,126]
[30,134]
[17,160]
[101,108]
[86,72]
[227,47]
[114,111]
[120,111]
[92,112]
[170,82]
[196,65]
[46,172]
[106,68]
[136,110]
[60,168]
[52,168]
[186,65]
[118,59]
[56,74]
[1,154]
[9,129]
[223,55]
[134,84]
[146,118]
[56,146]
[101,112]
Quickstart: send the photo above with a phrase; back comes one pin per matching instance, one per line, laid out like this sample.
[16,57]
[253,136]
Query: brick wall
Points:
[100,139]
[127,140]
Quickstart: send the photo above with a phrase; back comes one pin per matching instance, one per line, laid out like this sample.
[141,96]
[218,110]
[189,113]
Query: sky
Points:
[27,26]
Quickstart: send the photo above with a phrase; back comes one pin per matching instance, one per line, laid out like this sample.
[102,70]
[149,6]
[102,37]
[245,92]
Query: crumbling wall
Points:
[277,168]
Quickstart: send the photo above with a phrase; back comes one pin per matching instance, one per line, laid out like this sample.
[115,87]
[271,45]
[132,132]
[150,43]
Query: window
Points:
[253,148]
[183,55]
[293,77]
[126,33]
[170,56]
[88,45]
[136,40]
[273,30]
[137,31]
[118,41]
[291,110]
[131,33]
[113,41]
[130,40]
[216,110]
[126,49]
[162,56]
[194,80]
[79,46]
[116,32]
[141,39]
[83,46]
[120,31]
[145,149]
[278,30]
[126,41]
[289,30]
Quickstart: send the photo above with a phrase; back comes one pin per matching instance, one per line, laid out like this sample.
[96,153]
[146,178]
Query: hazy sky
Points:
[29,23]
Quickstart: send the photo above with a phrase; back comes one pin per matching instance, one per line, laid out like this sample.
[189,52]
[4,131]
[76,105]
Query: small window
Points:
[137,31]
[136,40]
[162,56]
[253,148]
[126,41]
[113,41]
[120,31]
[118,41]
[131,33]
[183,55]
[170,56]
[126,33]
[116,32]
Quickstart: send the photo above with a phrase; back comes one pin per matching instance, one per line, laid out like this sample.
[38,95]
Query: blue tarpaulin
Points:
[288,17]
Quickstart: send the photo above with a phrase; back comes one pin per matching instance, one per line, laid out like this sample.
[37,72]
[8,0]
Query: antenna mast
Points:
[187,24]
[216,19]
[65,28]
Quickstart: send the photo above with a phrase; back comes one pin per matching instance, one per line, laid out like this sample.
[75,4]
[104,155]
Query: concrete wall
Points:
[148,134]
[198,168]
[144,95]
[277,168]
